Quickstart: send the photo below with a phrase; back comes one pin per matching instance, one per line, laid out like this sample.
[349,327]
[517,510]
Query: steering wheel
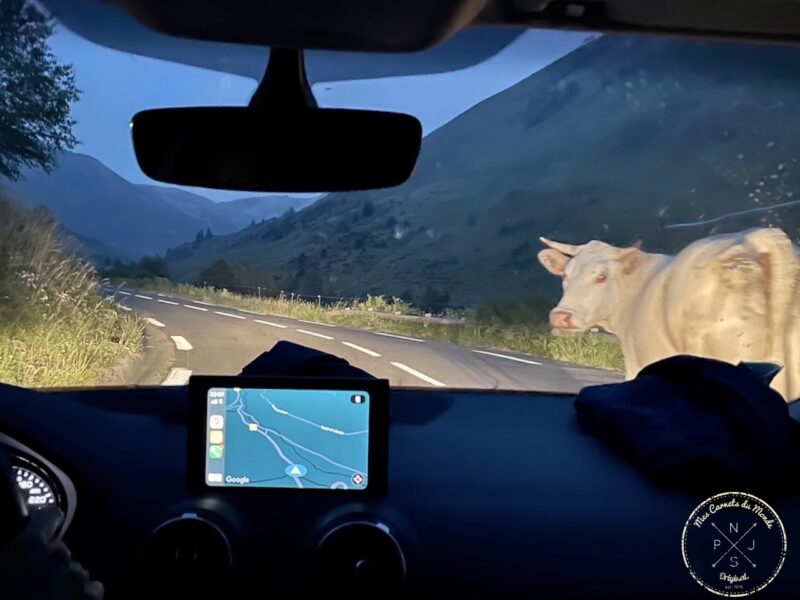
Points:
[13,510]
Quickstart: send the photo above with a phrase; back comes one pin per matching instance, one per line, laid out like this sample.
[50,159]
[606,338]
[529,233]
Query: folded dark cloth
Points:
[697,422]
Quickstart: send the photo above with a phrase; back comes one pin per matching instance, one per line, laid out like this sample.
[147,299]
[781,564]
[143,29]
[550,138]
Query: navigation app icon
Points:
[215,421]
[296,471]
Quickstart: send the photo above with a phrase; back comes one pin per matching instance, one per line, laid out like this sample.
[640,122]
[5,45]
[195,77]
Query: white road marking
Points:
[143,297]
[204,303]
[168,302]
[124,293]
[522,360]
[196,307]
[124,307]
[316,323]
[270,323]
[181,343]
[361,349]
[160,295]
[399,337]
[419,375]
[314,333]
[177,376]
[224,314]
[154,322]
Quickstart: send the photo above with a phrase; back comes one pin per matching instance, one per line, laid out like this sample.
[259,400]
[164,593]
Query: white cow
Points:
[729,297]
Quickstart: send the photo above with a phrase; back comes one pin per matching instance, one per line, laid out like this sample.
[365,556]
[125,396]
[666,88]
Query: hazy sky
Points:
[116,85]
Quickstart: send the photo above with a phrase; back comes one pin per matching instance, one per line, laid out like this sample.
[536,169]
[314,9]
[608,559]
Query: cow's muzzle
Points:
[561,319]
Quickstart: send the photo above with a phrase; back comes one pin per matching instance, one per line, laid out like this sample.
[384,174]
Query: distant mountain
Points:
[130,220]
[618,140]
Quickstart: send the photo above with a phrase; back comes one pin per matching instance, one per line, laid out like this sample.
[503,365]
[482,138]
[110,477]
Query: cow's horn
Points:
[568,249]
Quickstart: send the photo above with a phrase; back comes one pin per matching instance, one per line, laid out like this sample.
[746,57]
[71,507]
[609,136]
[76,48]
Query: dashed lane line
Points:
[124,293]
[143,297]
[177,376]
[181,343]
[128,308]
[270,323]
[154,322]
[399,337]
[361,349]
[316,323]
[314,333]
[169,302]
[224,314]
[514,358]
[200,308]
[418,375]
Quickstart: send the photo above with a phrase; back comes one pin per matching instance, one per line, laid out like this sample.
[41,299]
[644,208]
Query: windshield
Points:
[583,205]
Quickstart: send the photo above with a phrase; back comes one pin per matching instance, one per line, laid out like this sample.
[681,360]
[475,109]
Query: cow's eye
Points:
[600,278]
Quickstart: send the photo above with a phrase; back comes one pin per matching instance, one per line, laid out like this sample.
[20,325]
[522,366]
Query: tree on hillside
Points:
[220,274]
[435,298]
[368,209]
[241,277]
[153,266]
[35,92]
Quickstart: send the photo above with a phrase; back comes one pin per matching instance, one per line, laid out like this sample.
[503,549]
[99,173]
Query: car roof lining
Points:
[362,39]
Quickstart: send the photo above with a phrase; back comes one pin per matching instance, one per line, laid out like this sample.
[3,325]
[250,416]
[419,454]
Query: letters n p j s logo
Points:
[733,544]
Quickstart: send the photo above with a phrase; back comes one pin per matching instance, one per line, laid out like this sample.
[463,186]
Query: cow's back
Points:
[727,297]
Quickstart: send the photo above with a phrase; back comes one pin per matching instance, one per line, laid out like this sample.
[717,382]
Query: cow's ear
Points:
[553,261]
[630,259]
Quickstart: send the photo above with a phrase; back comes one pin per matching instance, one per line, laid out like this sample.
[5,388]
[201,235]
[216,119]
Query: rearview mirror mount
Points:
[280,142]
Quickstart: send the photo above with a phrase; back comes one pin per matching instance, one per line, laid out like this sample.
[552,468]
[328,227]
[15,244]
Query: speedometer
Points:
[38,491]
[44,487]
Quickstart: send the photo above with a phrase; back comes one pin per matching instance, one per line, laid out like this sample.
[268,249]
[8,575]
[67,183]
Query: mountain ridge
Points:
[617,141]
[132,219]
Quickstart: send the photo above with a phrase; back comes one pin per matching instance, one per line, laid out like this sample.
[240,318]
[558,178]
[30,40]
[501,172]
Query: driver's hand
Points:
[35,567]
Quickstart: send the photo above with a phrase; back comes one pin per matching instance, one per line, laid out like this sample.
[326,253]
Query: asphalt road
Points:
[210,339]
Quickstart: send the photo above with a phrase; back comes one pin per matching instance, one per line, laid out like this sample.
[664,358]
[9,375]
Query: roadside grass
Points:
[517,326]
[55,328]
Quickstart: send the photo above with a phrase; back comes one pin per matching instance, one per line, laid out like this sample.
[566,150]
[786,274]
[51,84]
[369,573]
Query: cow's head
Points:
[593,278]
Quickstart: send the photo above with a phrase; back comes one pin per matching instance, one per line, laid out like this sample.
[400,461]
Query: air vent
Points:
[186,557]
[362,558]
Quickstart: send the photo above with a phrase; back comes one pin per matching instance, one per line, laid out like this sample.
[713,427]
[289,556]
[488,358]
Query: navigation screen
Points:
[290,438]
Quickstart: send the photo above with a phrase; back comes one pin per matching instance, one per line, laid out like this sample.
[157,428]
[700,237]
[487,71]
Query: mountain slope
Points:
[131,219]
[614,141]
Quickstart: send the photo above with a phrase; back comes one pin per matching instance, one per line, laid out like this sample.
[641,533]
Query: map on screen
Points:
[287,438]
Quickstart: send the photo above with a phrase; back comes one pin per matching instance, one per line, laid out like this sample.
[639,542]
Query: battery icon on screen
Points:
[357,399]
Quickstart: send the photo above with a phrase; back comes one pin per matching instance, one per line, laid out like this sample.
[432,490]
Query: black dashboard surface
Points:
[489,493]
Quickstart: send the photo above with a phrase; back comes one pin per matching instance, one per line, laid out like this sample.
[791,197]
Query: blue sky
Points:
[115,85]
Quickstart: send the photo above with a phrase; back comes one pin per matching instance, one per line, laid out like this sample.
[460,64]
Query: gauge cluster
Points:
[35,485]
[43,486]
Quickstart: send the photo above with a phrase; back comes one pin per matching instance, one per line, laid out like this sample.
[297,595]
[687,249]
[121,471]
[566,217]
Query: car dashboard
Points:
[486,493]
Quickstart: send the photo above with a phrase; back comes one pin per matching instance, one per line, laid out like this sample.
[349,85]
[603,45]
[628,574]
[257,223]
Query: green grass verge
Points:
[479,330]
[55,328]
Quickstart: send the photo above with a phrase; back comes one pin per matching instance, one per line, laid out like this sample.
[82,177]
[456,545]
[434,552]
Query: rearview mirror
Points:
[309,150]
